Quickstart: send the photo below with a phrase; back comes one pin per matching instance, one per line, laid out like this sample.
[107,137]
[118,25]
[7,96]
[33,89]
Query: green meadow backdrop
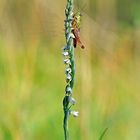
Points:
[32,78]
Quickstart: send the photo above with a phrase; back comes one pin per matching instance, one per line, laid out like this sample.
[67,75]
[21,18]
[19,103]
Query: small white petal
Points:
[68,70]
[69,77]
[74,113]
[71,35]
[72,101]
[71,13]
[66,61]
[65,53]
[68,90]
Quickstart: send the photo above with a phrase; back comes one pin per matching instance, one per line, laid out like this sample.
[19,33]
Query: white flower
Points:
[66,61]
[65,53]
[72,101]
[68,78]
[68,70]
[71,13]
[68,90]
[74,113]
[71,35]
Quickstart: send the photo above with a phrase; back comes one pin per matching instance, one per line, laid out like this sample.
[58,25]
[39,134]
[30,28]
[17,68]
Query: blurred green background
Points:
[32,78]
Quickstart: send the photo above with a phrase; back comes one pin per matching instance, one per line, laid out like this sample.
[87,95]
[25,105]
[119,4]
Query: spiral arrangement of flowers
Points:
[69,61]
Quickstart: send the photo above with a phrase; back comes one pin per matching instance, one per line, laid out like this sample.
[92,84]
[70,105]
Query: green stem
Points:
[66,133]
[72,67]
[69,48]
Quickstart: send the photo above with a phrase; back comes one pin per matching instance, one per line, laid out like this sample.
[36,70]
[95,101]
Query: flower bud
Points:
[74,113]
[68,90]
[67,61]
